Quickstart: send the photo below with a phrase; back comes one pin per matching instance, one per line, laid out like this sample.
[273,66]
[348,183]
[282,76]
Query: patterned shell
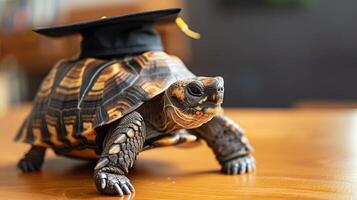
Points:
[78,96]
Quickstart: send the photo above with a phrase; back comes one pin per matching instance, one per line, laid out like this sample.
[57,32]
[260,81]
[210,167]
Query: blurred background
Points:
[272,53]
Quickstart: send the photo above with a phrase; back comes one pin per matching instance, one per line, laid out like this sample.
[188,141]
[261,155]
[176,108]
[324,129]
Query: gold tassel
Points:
[184,28]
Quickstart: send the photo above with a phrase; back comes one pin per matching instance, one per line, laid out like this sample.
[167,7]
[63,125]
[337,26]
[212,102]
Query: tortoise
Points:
[111,108]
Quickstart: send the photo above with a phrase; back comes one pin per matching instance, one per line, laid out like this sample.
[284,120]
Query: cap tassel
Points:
[184,28]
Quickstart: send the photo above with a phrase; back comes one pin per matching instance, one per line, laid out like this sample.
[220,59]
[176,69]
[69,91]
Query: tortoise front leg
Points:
[229,144]
[33,159]
[120,148]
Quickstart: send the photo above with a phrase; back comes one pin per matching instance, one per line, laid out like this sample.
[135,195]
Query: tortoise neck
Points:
[162,116]
[156,116]
[181,118]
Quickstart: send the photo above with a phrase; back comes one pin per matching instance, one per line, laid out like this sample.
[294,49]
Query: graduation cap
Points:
[121,35]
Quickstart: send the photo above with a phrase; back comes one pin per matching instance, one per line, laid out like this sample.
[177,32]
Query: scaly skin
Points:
[228,143]
[33,159]
[120,148]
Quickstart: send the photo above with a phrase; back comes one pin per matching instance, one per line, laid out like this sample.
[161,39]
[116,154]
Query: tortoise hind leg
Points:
[33,159]
[120,148]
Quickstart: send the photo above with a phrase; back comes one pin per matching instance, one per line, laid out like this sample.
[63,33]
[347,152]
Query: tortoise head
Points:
[194,101]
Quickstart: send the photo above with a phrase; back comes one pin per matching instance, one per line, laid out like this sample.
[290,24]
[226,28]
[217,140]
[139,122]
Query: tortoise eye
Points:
[194,90]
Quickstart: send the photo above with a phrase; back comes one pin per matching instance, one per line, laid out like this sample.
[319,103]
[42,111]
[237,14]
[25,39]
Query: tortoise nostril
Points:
[220,89]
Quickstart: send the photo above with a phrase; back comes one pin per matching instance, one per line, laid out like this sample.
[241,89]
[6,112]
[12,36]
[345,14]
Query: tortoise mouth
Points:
[209,108]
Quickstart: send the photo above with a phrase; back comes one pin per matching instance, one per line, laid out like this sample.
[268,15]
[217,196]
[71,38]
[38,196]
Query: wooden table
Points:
[301,154]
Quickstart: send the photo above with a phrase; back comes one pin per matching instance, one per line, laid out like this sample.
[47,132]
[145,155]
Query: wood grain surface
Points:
[301,154]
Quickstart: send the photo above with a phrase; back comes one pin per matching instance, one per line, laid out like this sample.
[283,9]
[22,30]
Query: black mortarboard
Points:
[115,36]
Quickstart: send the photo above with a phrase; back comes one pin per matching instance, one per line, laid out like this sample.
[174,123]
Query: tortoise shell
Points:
[78,96]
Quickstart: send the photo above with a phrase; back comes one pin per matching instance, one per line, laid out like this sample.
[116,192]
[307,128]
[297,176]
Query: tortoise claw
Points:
[26,165]
[240,165]
[118,189]
[113,184]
